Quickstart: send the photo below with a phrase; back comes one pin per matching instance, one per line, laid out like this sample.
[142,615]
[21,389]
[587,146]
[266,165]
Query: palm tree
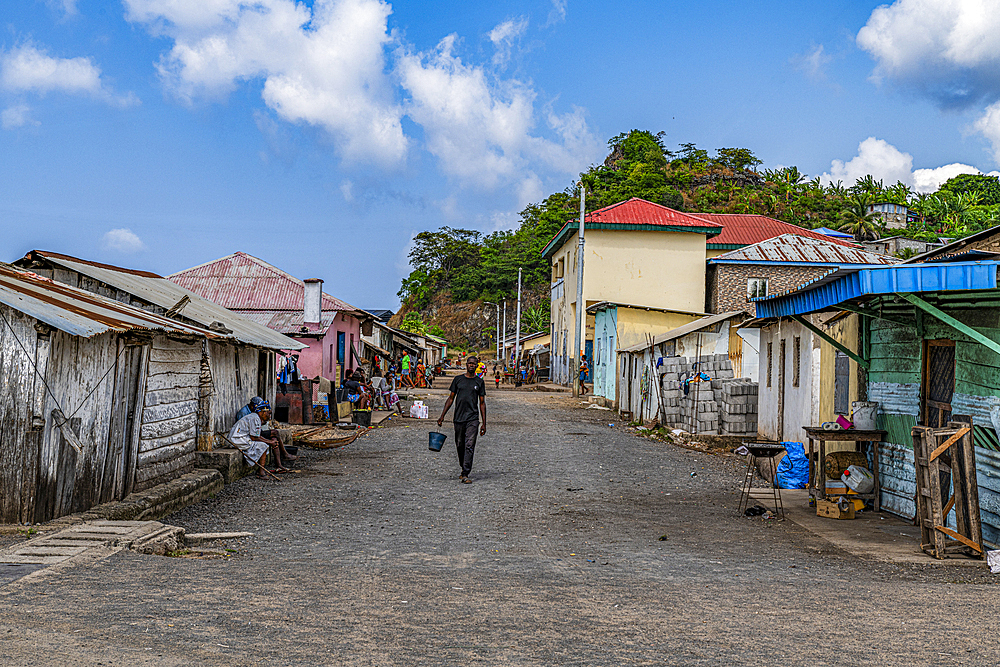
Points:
[858,219]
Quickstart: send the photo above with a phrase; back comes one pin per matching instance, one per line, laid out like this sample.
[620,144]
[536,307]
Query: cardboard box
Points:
[831,509]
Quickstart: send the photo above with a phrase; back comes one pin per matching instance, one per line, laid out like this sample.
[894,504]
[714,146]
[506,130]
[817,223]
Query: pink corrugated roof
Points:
[637,211]
[798,248]
[288,322]
[243,282]
[747,229]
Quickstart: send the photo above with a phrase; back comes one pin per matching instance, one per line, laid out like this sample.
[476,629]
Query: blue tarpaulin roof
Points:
[823,294]
[833,232]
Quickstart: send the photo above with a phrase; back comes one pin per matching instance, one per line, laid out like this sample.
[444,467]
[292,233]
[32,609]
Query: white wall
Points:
[800,402]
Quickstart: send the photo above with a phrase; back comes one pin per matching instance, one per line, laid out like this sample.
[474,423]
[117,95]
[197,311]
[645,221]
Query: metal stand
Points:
[760,451]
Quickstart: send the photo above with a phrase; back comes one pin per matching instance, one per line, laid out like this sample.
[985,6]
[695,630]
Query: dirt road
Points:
[375,554]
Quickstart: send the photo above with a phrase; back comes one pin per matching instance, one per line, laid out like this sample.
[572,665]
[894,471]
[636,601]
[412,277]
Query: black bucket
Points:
[436,441]
[361,417]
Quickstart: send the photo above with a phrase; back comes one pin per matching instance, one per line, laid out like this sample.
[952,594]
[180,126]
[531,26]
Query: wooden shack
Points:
[99,398]
[237,364]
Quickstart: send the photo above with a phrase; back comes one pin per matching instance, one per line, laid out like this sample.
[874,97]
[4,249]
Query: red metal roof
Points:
[243,282]
[798,248]
[747,229]
[637,211]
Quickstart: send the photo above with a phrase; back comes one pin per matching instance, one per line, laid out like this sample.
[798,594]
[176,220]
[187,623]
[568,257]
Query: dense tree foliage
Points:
[472,266]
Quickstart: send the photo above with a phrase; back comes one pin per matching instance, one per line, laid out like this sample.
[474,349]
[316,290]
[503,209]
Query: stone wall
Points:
[727,283]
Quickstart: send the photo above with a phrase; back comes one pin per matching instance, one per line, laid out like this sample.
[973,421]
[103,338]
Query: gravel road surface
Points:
[577,544]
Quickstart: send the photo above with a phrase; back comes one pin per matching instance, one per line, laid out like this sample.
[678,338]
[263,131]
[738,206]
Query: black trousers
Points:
[465,441]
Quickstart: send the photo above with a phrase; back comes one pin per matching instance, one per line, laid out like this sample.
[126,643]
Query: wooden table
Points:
[817,470]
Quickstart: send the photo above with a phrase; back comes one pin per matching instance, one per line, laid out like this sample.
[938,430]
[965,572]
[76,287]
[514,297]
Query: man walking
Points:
[468,393]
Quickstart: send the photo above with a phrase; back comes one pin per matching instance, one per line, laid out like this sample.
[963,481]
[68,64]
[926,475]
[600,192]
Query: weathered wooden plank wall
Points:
[234,382]
[170,415]
[18,444]
[81,375]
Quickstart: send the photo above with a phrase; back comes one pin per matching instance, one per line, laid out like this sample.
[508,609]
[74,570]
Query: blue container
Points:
[436,441]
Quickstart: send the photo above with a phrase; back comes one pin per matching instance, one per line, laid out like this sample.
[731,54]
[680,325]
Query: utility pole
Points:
[498,326]
[517,333]
[581,307]
[503,346]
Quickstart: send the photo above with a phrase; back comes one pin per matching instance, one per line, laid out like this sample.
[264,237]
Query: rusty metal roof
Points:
[287,322]
[798,249]
[79,312]
[739,229]
[166,294]
[243,282]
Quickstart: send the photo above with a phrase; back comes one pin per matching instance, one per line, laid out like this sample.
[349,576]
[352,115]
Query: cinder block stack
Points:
[738,407]
[699,411]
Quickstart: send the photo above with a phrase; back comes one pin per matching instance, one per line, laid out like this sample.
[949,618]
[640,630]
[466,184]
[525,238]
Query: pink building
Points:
[297,308]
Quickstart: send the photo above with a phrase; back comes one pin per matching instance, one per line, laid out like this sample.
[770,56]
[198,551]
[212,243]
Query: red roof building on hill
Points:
[636,215]
[743,229]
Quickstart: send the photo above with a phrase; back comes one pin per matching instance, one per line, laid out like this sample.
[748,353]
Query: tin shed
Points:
[99,398]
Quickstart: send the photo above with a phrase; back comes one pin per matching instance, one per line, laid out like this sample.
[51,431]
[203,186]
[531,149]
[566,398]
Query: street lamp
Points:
[498,326]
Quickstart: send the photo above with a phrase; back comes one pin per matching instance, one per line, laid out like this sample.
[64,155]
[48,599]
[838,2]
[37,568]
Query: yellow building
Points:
[636,252]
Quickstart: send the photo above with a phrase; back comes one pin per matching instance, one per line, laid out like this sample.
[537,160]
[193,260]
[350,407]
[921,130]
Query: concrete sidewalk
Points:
[872,535]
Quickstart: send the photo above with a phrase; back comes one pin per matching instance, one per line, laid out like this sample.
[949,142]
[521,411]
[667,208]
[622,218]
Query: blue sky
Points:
[321,136]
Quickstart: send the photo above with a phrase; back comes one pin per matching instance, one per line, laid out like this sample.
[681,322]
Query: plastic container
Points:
[863,413]
[858,479]
[844,422]
[436,441]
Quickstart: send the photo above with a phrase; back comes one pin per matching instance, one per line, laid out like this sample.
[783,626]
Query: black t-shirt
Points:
[467,392]
[352,386]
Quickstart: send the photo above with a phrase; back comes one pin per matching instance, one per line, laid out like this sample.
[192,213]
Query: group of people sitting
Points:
[250,437]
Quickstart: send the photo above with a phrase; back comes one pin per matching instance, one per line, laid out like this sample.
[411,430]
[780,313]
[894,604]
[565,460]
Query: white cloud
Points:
[326,65]
[503,37]
[558,12]
[877,157]
[347,190]
[813,63]
[886,163]
[323,66]
[123,240]
[67,7]
[948,50]
[28,69]
[929,180]
[481,129]
[16,116]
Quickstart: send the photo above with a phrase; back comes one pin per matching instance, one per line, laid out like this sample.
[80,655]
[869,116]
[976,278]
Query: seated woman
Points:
[246,436]
[357,393]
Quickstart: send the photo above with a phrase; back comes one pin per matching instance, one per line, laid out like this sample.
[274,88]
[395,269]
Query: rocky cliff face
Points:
[471,324]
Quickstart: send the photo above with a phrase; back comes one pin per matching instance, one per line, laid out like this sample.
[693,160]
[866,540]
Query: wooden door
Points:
[938,382]
[126,417]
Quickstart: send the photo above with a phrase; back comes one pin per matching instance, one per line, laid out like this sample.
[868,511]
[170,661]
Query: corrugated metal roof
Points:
[166,294]
[604,305]
[954,246]
[960,276]
[685,329]
[79,312]
[244,282]
[289,323]
[635,214]
[747,229]
[803,249]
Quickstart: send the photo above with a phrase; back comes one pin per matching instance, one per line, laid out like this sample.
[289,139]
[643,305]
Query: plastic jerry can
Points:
[858,479]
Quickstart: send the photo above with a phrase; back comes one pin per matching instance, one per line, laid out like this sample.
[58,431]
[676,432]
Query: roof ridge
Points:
[110,267]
